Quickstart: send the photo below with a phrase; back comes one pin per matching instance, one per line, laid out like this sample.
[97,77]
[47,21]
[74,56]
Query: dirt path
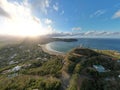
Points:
[65,80]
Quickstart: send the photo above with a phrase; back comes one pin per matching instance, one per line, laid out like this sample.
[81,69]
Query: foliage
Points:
[29,83]
[85,52]
[51,67]
[78,68]
[88,85]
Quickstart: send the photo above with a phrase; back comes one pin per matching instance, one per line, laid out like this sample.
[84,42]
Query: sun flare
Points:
[21,22]
[25,28]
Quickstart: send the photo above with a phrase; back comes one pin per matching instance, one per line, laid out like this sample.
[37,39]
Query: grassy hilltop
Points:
[83,76]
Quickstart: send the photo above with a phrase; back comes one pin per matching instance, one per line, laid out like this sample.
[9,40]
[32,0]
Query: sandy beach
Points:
[46,48]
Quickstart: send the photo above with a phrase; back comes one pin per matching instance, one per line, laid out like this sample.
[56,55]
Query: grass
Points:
[112,53]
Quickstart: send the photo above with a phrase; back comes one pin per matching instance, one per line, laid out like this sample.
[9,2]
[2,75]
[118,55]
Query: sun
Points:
[21,21]
[25,28]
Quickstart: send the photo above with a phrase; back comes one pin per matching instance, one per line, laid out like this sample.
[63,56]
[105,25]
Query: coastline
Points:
[46,48]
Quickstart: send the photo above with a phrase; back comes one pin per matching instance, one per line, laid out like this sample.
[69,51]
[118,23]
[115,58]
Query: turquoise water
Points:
[107,44]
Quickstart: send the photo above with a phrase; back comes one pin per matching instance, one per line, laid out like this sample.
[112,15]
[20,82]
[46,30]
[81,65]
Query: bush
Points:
[52,67]
[78,68]
[29,83]
[88,85]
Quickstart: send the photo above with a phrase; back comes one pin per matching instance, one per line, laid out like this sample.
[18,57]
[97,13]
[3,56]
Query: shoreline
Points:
[46,48]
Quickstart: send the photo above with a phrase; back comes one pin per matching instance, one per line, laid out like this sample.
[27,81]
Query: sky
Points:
[78,18]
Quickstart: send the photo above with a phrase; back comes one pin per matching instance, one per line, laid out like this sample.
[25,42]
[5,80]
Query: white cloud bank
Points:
[17,19]
[100,34]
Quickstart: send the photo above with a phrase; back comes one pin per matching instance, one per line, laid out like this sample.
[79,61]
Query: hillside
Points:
[25,66]
[92,70]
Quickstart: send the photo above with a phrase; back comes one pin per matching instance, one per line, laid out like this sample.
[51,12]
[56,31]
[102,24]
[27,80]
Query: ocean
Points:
[93,43]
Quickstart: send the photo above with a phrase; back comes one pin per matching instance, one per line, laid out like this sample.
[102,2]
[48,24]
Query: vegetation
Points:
[80,61]
[73,82]
[112,53]
[25,66]
[52,67]
[25,82]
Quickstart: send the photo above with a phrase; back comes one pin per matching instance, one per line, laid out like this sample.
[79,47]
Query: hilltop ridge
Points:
[91,70]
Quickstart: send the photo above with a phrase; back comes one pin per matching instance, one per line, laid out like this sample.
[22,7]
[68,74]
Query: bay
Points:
[93,43]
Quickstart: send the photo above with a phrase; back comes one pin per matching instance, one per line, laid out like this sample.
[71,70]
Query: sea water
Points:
[93,43]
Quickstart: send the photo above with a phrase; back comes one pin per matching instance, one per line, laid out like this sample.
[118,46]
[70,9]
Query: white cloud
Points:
[60,34]
[97,13]
[116,15]
[48,21]
[90,33]
[4,13]
[41,5]
[96,33]
[100,34]
[21,21]
[76,28]
[55,7]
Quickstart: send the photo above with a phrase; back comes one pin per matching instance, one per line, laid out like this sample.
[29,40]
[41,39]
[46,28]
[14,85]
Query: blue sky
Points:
[83,13]
[91,17]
